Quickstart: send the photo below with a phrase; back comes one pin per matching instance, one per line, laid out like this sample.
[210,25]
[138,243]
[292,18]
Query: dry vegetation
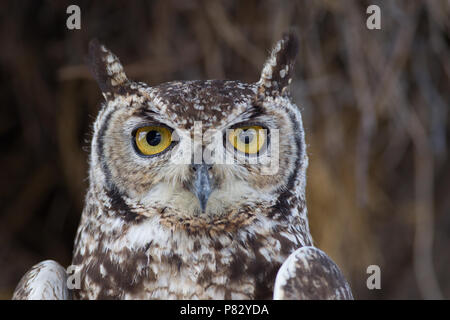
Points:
[375,106]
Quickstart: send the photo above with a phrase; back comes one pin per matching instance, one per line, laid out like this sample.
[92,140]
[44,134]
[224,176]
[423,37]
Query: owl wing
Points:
[46,280]
[309,274]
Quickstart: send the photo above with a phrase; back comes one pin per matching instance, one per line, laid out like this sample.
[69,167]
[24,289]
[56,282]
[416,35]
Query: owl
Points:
[196,191]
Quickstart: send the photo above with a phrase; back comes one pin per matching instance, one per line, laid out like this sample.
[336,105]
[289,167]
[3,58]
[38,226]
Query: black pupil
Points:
[153,138]
[247,135]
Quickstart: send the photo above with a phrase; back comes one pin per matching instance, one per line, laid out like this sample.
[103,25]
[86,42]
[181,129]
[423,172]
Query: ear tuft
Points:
[279,67]
[106,68]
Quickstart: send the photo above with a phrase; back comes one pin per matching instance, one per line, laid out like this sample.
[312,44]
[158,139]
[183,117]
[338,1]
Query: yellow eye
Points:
[249,139]
[153,139]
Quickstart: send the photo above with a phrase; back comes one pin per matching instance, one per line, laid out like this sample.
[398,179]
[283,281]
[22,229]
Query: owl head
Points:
[196,153]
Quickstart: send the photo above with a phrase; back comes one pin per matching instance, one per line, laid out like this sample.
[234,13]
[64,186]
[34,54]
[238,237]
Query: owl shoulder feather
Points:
[46,280]
[309,274]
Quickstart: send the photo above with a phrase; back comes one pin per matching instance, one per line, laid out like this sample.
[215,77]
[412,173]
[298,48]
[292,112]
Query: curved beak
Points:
[202,186]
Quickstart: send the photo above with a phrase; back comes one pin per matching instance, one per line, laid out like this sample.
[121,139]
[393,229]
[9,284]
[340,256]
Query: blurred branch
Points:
[211,51]
[364,98]
[424,211]
[149,68]
[232,35]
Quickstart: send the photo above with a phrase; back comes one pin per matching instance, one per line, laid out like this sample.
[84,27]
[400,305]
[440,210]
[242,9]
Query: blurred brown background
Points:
[375,105]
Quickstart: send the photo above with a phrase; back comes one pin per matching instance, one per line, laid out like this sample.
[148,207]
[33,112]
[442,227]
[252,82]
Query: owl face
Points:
[197,150]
